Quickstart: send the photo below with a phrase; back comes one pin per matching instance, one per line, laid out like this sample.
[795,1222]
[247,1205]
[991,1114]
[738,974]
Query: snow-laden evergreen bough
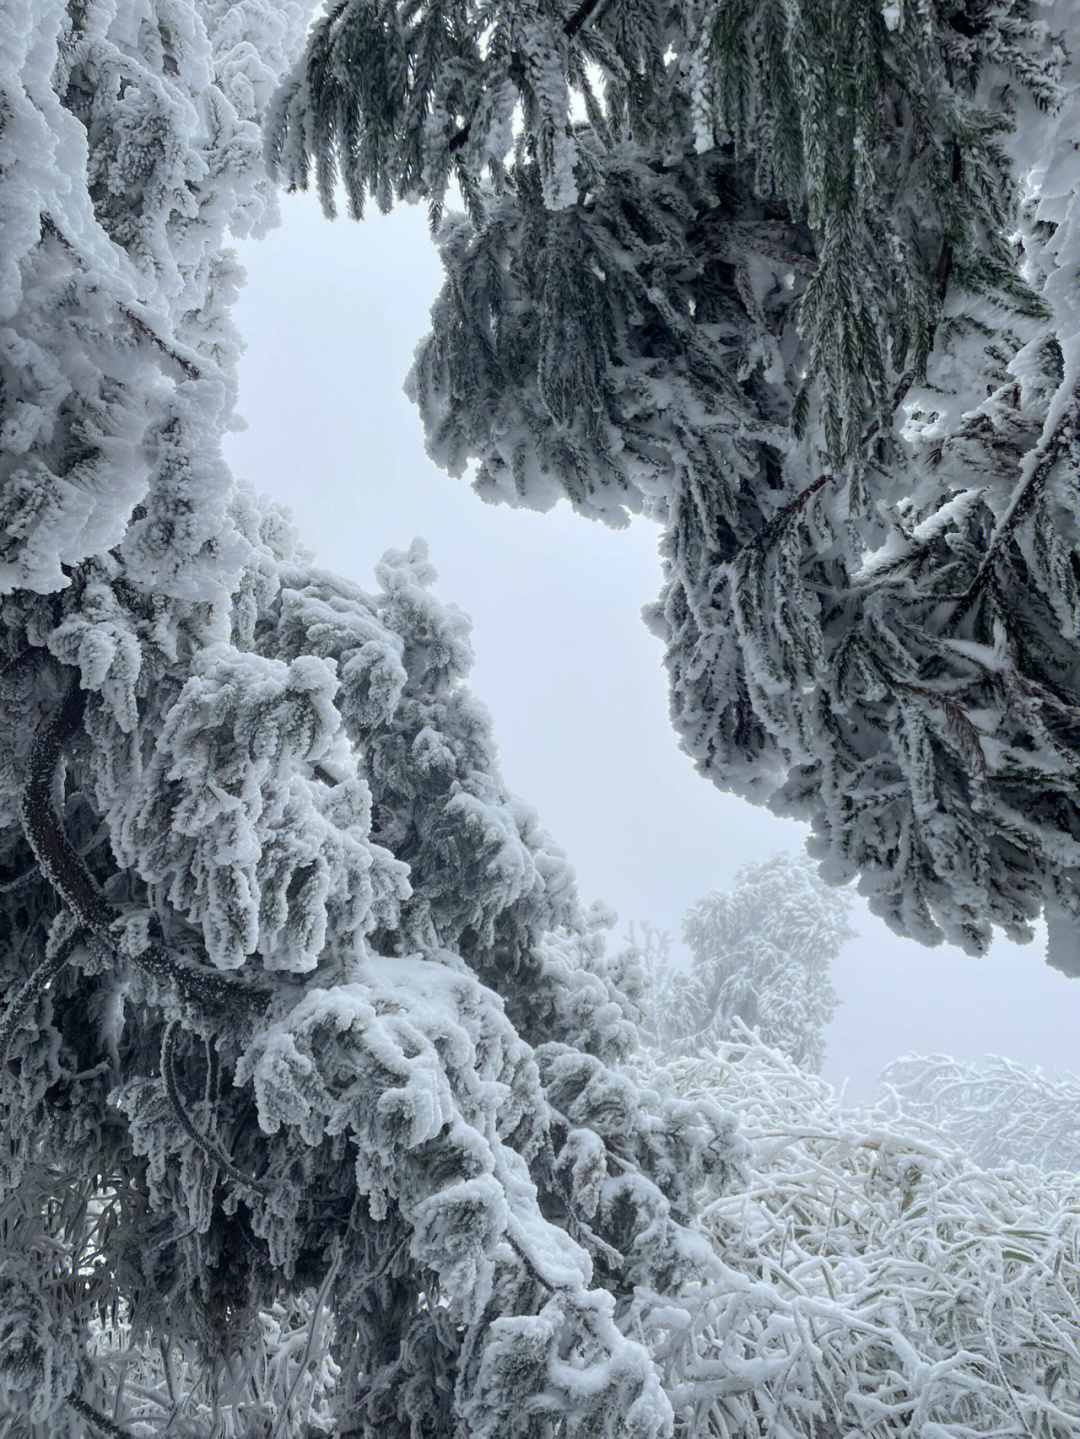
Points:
[760,956]
[799,281]
[313,1112]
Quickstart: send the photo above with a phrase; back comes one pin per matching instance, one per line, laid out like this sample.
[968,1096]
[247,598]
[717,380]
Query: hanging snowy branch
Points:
[209,1147]
[34,987]
[65,871]
[829,428]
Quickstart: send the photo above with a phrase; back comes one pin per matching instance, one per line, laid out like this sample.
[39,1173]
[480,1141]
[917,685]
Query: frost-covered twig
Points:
[1039,467]
[997,1111]
[36,985]
[967,734]
[213,1151]
[65,871]
[53,851]
[305,1358]
[876,1276]
[99,1420]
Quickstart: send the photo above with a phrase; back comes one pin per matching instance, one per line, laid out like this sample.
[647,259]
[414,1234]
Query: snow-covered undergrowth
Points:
[996,1110]
[882,1284]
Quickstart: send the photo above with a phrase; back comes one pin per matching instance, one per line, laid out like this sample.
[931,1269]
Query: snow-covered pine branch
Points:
[799,282]
[314,1102]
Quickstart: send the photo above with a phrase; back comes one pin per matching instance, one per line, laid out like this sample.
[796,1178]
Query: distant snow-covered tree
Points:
[799,281]
[760,956]
[999,1111]
[315,1117]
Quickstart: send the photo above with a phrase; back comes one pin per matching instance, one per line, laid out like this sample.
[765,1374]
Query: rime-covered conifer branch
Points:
[1040,467]
[97,1419]
[968,736]
[142,327]
[573,24]
[65,871]
[212,1150]
[34,987]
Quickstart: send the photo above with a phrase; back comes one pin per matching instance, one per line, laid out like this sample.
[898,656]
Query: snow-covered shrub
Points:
[997,1110]
[877,1281]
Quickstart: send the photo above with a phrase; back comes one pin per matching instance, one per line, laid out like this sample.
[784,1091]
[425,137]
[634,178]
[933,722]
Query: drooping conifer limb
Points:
[209,1147]
[34,987]
[573,24]
[1040,466]
[576,1223]
[65,871]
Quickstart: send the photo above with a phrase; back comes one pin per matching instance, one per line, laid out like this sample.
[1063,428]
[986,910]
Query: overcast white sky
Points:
[574,681]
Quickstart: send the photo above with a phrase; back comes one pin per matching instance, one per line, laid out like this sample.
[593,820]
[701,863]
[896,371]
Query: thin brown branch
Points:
[530,1264]
[776,526]
[577,1226]
[53,851]
[51,228]
[140,326]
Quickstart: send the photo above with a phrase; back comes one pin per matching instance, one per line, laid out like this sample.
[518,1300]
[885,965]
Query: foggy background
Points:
[574,681]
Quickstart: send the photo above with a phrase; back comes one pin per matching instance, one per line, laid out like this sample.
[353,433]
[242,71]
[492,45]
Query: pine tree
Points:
[798,281]
[760,957]
[316,1115]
